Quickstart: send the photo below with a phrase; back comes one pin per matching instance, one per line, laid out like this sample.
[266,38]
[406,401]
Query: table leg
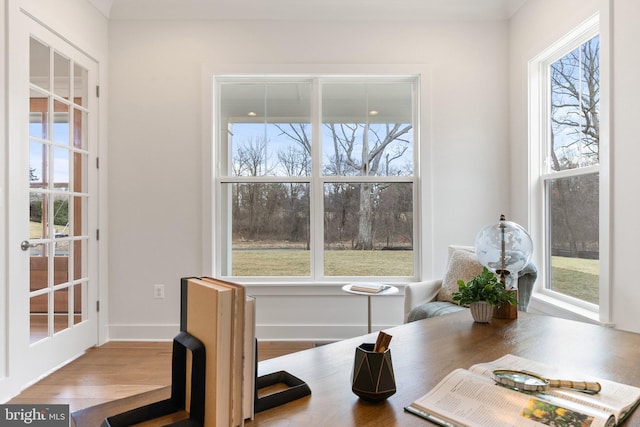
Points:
[369,312]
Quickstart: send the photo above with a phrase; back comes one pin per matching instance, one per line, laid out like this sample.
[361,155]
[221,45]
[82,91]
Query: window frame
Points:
[316,180]
[545,299]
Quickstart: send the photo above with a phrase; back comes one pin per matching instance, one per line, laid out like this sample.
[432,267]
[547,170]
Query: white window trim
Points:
[546,300]
[422,190]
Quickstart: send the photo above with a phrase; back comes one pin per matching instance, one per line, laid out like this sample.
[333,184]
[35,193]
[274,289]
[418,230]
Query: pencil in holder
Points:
[372,377]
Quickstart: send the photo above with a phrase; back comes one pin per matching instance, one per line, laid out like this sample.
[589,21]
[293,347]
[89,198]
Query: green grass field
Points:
[35,229]
[576,277]
[572,276]
[295,262]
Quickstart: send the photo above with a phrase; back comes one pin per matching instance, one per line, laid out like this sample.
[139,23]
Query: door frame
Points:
[17,368]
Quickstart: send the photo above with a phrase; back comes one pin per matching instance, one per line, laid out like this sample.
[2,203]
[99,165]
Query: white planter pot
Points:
[481,311]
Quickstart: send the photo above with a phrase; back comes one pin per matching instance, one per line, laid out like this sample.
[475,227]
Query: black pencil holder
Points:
[372,377]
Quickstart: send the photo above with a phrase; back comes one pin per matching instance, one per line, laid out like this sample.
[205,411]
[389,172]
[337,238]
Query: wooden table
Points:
[424,352]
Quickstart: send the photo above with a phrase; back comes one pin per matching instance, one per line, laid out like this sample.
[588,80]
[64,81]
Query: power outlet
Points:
[158,291]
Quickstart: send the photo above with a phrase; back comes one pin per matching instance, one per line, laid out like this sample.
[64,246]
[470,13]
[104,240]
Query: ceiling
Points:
[334,10]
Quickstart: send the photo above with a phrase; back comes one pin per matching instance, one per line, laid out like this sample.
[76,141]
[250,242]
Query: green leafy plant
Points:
[484,287]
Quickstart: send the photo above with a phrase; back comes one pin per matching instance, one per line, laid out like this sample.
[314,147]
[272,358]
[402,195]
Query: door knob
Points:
[25,245]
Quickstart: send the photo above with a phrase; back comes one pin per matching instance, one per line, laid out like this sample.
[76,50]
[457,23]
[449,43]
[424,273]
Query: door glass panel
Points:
[60,218]
[39,262]
[61,169]
[37,211]
[60,267]
[38,160]
[61,310]
[78,302]
[80,85]
[80,216]
[39,319]
[60,123]
[80,270]
[38,114]
[39,64]
[79,129]
[61,75]
[80,172]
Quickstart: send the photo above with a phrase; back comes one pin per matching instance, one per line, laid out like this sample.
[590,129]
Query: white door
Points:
[52,213]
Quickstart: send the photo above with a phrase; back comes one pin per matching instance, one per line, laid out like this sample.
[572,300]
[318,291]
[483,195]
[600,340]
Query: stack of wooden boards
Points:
[222,316]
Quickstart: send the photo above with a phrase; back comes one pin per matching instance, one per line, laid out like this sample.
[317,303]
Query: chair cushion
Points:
[432,309]
[463,265]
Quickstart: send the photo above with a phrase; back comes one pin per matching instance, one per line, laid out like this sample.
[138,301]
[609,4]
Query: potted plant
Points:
[482,294]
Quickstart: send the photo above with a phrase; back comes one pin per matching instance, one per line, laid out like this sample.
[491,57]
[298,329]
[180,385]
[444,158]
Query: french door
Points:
[53,202]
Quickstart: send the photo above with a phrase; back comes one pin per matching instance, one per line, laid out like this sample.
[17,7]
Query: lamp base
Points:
[507,311]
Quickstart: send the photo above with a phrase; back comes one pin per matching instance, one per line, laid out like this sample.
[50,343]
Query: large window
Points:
[569,198]
[315,176]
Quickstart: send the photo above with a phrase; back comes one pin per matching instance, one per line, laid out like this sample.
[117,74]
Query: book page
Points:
[614,397]
[469,400]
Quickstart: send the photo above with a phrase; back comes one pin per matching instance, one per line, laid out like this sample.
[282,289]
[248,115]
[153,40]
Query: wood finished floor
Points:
[120,369]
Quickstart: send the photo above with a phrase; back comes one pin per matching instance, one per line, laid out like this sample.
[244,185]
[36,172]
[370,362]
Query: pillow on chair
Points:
[463,265]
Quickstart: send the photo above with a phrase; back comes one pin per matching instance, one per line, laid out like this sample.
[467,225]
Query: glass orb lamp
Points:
[504,248]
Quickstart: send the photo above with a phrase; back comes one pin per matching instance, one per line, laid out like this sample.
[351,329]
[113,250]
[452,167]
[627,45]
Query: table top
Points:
[423,352]
[388,290]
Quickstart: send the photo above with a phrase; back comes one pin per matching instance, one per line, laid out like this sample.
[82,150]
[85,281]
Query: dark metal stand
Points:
[181,343]
[296,389]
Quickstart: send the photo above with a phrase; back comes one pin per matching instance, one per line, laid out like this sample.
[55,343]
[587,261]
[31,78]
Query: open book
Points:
[471,398]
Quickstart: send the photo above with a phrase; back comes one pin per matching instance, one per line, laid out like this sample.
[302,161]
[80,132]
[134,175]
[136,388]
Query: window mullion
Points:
[571,172]
[317,186]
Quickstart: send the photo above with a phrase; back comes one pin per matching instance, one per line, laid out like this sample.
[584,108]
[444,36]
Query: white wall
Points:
[625,152]
[155,145]
[76,20]
[535,27]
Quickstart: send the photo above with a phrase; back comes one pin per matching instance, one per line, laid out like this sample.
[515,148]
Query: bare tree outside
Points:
[574,145]
[363,149]
[272,212]
[575,107]
[575,139]
[358,149]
